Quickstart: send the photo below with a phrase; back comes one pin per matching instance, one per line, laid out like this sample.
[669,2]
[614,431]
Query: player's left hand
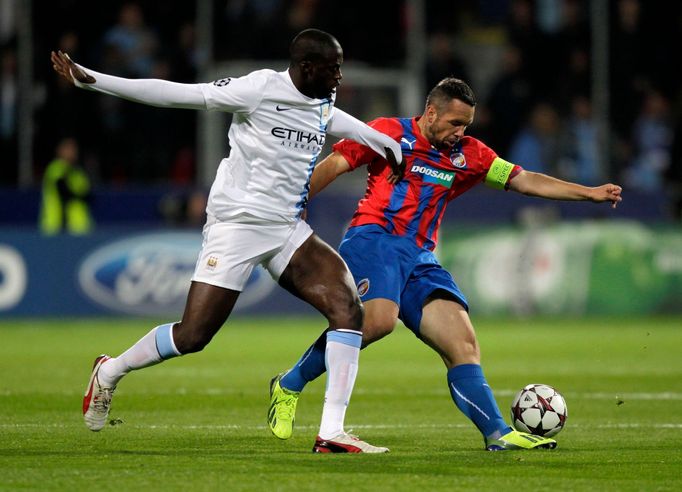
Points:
[397,168]
[608,193]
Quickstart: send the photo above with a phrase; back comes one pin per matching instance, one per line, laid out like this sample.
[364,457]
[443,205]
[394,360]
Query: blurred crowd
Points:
[529,61]
[537,109]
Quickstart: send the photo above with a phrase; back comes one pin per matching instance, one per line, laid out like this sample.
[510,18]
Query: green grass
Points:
[198,423]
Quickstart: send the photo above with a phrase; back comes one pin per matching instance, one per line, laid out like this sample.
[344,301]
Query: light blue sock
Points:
[164,342]
[309,367]
[473,396]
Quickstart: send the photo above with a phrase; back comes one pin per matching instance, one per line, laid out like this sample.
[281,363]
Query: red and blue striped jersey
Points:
[414,207]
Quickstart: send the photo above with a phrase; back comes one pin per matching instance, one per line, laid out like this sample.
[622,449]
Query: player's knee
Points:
[356,314]
[376,330]
[378,323]
[346,313]
[189,340]
[469,352]
[197,345]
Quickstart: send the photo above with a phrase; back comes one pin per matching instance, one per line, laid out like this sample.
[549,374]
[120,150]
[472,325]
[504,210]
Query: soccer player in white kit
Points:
[254,217]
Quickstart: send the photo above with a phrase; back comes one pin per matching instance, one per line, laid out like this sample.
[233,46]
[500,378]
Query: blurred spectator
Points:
[539,62]
[653,138]
[302,14]
[628,62]
[137,144]
[66,192]
[256,29]
[662,38]
[549,15]
[186,59]
[241,19]
[571,46]
[369,31]
[8,21]
[153,136]
[442,61]
[132,43]
[508,101]
[536,147]
[64,113]
[574,79]
[184,66]
[574,31]
[578,162]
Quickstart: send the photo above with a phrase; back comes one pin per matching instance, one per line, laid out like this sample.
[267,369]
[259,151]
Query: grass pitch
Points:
[198,422]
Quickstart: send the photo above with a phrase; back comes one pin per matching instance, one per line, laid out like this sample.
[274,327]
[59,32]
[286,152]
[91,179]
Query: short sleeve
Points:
[236,94]
[484,154]
[498,172]
[357,154]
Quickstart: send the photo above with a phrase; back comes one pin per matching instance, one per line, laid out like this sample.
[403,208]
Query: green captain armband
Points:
[498,174]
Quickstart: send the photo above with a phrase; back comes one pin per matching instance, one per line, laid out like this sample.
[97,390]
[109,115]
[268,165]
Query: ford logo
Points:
[150,275]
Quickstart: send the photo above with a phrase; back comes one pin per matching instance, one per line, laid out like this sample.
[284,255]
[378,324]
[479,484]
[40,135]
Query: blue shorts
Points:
[393,267]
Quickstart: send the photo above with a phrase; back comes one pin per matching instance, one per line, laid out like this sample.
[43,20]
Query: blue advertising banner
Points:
[117,273]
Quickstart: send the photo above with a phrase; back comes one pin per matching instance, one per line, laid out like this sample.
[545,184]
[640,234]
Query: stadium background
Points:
[582,90]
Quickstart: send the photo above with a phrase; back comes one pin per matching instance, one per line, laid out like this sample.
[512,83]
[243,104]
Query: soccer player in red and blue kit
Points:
[389,250]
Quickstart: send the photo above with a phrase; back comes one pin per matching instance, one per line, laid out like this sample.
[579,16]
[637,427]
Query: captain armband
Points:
[498,174]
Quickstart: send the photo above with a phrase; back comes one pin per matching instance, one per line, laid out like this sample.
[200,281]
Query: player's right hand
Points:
[65,67]
[397,168]
[609,193]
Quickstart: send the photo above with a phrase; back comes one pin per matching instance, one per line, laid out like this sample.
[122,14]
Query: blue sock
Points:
[473,396]
[165,345]
[309,367]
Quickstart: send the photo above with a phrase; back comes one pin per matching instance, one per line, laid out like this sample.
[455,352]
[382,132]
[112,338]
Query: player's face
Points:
[445,125]
[325,74]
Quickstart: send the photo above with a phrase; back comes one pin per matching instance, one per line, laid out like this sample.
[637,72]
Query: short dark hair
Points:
[448,89]
[311,45]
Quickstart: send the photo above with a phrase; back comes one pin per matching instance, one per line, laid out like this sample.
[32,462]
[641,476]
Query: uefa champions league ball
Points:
[539,409]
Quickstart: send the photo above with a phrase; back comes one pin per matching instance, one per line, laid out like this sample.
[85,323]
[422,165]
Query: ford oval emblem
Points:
[150,275]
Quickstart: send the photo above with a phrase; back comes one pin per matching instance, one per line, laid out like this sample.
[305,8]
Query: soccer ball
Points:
[539,409]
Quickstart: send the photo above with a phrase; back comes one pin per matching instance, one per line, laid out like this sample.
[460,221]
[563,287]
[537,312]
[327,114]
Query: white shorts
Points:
[231,250]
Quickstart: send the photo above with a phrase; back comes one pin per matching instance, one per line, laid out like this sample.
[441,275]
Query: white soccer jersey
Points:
[276,136]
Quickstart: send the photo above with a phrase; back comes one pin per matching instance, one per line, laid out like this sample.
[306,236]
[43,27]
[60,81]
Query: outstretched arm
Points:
[346,126]
[543,186]
[154,92]
[328,170]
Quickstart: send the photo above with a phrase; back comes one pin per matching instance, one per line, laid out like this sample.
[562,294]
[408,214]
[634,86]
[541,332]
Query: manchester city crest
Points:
[325,109]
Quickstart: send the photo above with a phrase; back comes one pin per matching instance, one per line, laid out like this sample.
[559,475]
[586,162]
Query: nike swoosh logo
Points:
[282,109]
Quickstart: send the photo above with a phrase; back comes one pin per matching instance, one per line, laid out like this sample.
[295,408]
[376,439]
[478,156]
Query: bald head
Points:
[315,63]
[312,45]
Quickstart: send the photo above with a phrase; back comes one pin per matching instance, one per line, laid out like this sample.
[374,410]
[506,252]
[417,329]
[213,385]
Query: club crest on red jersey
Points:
[457,159]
